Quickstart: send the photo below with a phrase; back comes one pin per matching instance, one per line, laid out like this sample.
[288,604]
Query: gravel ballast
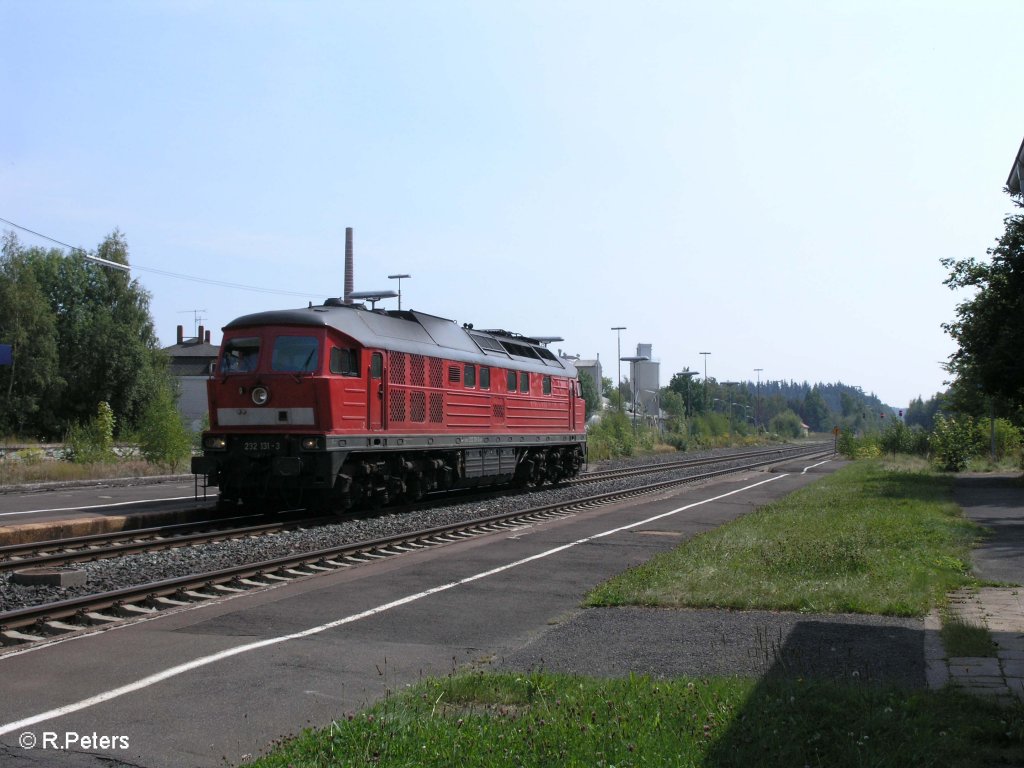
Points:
[133,570]
[603,642]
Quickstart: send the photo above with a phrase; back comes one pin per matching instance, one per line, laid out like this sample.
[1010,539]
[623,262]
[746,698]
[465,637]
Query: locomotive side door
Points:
[573,389]
[375,393]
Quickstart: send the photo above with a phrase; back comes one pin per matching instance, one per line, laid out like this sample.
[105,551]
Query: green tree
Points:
[108,349]
[682,384]
[611,392]
[848,405]
[922,413]
[674,406]
[815,412]
[590,396]
[989,327]
[29,326]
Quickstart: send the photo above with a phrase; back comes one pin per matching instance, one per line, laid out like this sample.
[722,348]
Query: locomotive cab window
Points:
[377,366]
[547,385]
[485,378]
[294,354]
[469,376]
[240,355]
[344,362]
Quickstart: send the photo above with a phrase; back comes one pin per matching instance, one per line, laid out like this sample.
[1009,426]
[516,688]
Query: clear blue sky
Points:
[771,182]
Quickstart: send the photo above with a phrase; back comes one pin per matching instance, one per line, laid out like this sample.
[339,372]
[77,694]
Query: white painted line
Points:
[826,461]
[203,661]
[96,506]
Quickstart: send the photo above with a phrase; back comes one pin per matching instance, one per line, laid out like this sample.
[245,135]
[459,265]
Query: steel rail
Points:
[47,619]
[127,544]
[56,552]
[647,469]
[26,549]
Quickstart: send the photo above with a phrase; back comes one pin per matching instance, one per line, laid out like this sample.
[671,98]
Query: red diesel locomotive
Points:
[336,405]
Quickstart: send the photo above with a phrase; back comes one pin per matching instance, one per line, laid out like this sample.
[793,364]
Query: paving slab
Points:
[995,501]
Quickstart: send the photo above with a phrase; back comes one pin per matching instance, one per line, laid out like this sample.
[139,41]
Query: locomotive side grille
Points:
[454,374]
[436,408]
[417,374]
[396,398]
[436,373]
[397,374]
[417,406]
[499,410]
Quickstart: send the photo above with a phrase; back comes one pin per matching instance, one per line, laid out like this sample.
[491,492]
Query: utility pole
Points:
[705,380]
[618,384]
[757,403]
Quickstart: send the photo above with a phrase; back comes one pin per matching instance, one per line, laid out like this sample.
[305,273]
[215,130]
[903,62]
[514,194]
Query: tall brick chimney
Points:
[349,268]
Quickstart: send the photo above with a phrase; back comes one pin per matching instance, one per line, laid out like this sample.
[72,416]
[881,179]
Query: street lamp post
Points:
[633,360]
[399,279]
[705,379]
[729,393]
[757,402]
[618,349]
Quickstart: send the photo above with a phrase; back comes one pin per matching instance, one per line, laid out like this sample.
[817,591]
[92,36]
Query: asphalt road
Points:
[994,501]
[215,684]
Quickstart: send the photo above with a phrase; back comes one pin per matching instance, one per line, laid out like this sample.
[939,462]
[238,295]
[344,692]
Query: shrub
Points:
[612,436]
[786,424]
[865,447]
[899,438]
[93,442]
[163,438]
[1007,438]
[953,442]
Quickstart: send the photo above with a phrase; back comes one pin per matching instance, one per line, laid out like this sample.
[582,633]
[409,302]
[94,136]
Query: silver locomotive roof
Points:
[417,333]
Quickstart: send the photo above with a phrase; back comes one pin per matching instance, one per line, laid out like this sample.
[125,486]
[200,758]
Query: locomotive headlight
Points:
[310,443]
[260,395]
[215,443]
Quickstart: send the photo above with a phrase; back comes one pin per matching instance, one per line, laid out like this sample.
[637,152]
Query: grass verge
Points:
[863,540]
[547,720]
[15,472]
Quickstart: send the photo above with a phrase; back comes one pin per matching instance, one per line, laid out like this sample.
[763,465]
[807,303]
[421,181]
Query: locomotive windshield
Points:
[240,355]
[294,354]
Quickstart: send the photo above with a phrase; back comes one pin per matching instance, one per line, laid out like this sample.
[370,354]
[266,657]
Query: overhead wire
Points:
[164,272]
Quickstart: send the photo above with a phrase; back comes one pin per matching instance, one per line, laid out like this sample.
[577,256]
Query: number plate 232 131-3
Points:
[257,446]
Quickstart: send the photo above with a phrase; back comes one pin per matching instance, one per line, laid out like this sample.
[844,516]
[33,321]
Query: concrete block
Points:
[54,577]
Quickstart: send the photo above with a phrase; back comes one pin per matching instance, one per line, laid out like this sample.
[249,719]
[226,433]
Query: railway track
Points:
[28,626]
[55,553]
[80,549]
[667,466]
